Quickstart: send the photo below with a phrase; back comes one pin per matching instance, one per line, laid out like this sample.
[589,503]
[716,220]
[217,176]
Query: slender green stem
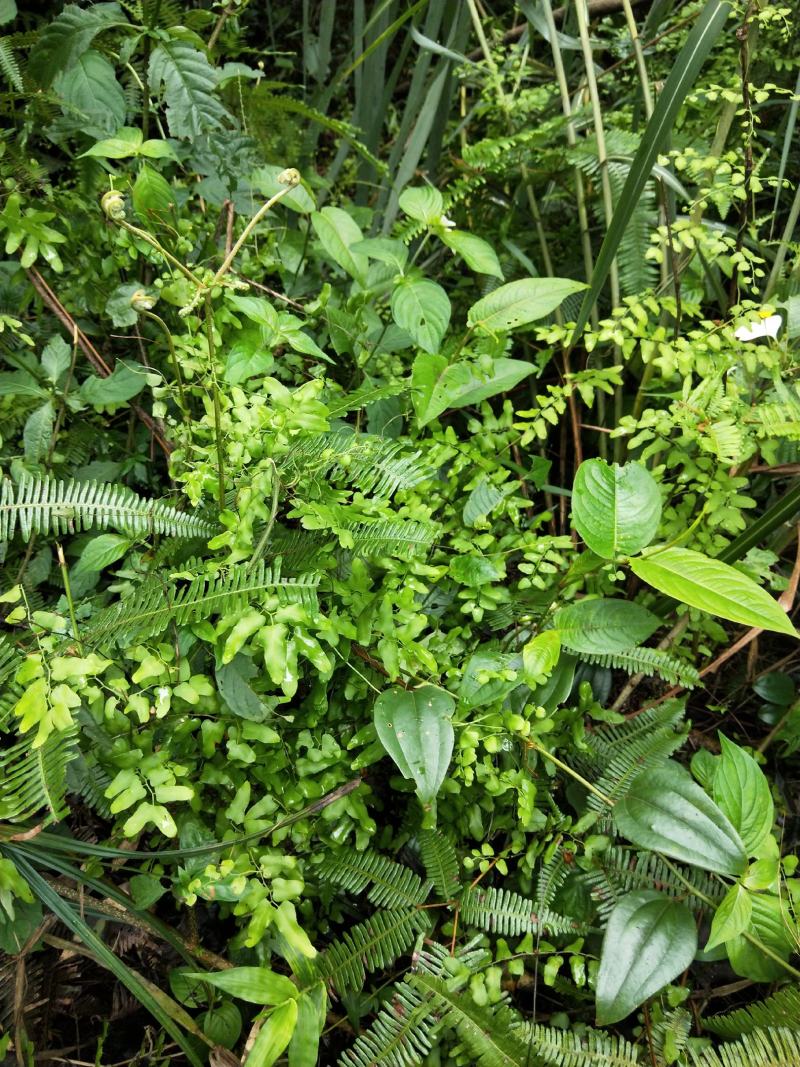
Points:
[573,774]
[251,225]
[154,243]
[783,247]
[173,359]
[264,539]
[209,317]
[62,566]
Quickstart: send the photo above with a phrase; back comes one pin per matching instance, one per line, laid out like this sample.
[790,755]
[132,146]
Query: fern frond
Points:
[781,1009]
[501,911]
[650,661]
[157,604]
[488,1033]
[620,870]
[779,1047]
[671,1034]
[403,538]
[392,885]
[552,876]
[46,506]
[33,779]
[441,862]
[372,945]
[361,398]
[10,65]
[589,1048]
[375,465]
[628,749]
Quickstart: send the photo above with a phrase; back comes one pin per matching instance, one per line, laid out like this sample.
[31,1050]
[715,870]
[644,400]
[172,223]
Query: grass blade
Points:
[684,72]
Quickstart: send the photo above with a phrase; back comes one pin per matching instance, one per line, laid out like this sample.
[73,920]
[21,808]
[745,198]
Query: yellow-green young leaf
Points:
[650,939]
[616,510]
[274,1036]
[518,303]
[771,922]
[415,728]
[540,656]
[285,920]
[424,203]
[477,253]
[311,1009]
[337,231]
[665,811]
[256,985]
[712,586]
[731,917]
[422,308]
[742,792]
[762,874]
[153,199]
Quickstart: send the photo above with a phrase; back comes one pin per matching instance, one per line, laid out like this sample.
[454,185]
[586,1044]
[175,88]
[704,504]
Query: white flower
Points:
[447,223]
[762,327]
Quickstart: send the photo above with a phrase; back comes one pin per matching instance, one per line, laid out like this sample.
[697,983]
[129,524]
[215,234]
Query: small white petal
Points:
[760,328]
[447,222]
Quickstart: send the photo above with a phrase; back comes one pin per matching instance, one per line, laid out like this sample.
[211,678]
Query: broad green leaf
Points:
[731,917]
[385,250]
[665,811]
[101,552]
[438,386]
[712,586]
[518,303]
[90,92]
[64,39]
[119,307]
[659,129]
[311,1009]
[274,1036]
[477,253]
[250,354]
[126,142]
[540,656]
[422,308]
[38,432]
[603,626]
[122,384]
[616,510]
[476,570]
[423,203]
[337,231]
[233,680]
[222,1023]
[742,791]
[256,985]
[189,81]
[771,922]
[650,939]
[56,358]
[762,874]
[415,728]
[153,198]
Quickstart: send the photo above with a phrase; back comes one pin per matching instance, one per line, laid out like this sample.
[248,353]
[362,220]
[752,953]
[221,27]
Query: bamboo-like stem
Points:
[780,256]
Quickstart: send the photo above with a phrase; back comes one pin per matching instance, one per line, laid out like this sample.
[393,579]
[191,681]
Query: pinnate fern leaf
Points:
[47,506]
[501,911]
[33,780]
[441,862]
[650,661]
[391,884]
[781,1009]
[370,946]
[589,1048]
[778,1047]
[158,604]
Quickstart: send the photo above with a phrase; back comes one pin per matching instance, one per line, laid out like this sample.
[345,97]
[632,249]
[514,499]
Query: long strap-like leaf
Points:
[687,67]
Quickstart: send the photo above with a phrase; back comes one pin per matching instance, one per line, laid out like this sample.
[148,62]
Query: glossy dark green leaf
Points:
[415,728]
[650,939]
[666,811]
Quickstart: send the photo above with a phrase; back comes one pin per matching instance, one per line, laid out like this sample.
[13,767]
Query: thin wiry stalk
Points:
[780,256]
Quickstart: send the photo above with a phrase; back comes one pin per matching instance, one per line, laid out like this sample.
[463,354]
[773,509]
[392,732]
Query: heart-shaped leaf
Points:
[650,939]
[666,811]
[414,727]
